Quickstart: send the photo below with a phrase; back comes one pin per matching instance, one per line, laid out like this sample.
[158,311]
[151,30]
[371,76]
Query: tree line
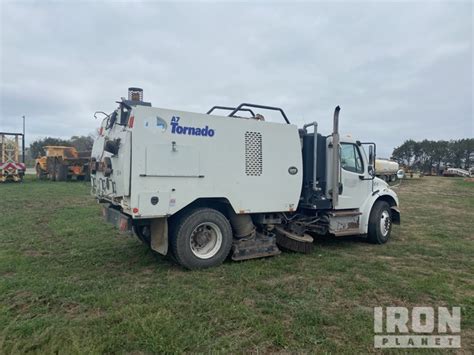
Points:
[427,155]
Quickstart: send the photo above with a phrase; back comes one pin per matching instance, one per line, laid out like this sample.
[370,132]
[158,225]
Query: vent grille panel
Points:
[253,154]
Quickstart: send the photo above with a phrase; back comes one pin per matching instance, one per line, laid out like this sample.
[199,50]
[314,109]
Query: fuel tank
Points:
[385,166]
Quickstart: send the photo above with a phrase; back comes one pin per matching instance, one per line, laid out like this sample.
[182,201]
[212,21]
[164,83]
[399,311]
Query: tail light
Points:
[131,121]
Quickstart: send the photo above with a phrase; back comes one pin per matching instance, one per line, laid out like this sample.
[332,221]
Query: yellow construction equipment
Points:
[62,163]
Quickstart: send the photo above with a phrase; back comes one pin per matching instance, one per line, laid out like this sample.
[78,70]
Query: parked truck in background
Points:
[12,163]
[200,186]
[386,169]
[63,163]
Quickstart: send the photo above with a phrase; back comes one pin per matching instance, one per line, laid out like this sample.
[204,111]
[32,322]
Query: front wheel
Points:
[201,238]
[61,172]
[380,223]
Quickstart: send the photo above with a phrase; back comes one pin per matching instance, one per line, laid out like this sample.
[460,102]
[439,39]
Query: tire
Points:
[39,173]
[61,172]
[143,234]
[201,238]
[52,174]
[380,223]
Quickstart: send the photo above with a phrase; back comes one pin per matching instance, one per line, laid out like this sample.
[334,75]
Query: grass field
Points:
[70,283]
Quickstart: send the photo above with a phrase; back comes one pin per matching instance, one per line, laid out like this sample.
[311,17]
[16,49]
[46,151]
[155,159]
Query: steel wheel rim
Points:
[206,240]
[385,223]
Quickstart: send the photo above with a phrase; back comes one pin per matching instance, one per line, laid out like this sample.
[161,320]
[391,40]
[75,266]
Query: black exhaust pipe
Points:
[335,158]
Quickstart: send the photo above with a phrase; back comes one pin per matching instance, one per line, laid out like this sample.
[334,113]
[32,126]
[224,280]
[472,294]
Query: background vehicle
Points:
[457,172]
[198,185]
[62,163]
[386,169]
[11,168]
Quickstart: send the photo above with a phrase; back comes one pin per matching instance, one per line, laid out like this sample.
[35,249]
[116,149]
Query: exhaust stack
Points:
[315,153]
[335,158]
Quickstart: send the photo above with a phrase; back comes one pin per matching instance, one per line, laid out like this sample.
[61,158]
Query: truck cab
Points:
[201,186]
[360,188]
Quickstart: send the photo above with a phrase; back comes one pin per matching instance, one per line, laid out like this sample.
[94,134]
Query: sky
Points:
[398,70]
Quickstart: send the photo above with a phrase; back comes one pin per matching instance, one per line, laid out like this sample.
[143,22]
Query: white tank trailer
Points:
[386,169]
[201,186]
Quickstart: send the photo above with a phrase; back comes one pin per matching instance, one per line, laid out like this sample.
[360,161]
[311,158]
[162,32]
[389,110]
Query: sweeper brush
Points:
[291,241]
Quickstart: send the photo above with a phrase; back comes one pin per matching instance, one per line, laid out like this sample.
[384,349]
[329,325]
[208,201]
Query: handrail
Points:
[229,109]
[239,108]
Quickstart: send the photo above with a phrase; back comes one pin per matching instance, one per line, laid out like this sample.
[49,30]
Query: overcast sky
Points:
[398,70]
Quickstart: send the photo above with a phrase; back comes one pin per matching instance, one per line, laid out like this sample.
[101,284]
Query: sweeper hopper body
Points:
[201,186]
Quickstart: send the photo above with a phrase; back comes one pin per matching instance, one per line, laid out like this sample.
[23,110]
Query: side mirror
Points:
[370,170]
[371,156]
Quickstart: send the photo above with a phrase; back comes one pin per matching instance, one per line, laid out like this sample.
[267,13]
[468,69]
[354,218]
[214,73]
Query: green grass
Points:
[71,283]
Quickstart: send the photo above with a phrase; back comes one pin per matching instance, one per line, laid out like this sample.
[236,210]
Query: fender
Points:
[381,192]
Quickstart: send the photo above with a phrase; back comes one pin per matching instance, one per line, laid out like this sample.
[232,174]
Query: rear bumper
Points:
[118,219]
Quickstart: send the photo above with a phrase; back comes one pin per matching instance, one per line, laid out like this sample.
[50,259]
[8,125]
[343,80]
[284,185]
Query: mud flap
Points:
[258,245]
[159,235]
[120,220]
[395,214]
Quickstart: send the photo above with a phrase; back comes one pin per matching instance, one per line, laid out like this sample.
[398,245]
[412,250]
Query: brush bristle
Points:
[294,245]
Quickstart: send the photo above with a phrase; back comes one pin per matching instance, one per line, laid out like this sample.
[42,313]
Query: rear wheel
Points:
[61,172]
[143,233]
[380,223]
[201,238]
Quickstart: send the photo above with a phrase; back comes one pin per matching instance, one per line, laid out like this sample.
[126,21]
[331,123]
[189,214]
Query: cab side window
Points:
[351,159]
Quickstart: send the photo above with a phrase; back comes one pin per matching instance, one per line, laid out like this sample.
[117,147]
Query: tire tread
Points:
[187,220]
[374,234]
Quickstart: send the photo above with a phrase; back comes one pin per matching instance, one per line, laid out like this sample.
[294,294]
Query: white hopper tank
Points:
[386,167]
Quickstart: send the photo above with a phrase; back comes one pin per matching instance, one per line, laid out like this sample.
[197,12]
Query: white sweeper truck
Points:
[200,187]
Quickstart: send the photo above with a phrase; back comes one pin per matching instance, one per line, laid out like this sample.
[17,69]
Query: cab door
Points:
[355,188]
